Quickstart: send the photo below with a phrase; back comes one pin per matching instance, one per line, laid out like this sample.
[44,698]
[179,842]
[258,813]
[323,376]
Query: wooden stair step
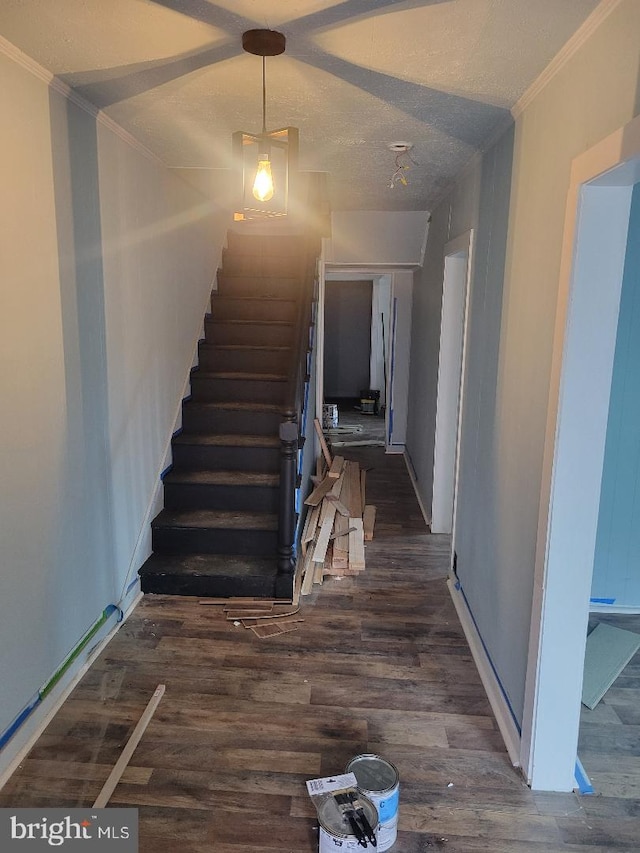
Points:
[210,575]
[216,520]
[221,440]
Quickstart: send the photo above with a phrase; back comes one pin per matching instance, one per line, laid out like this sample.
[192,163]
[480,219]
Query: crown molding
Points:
[16,55]
[581,35]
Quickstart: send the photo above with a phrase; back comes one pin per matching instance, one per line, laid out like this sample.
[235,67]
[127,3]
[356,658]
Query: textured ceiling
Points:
[356,75]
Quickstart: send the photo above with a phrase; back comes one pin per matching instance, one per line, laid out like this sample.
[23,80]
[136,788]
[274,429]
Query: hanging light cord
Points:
[264,96]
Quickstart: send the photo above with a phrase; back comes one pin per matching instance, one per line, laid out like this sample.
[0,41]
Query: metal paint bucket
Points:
[379,780]
[335,830]
[329,416]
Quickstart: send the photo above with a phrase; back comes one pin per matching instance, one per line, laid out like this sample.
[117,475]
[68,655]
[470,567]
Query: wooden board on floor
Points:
[323,443]
[368,521]
[264,631]
[320,491]
[356,544]
[352,477]
[326,525]
[336,467]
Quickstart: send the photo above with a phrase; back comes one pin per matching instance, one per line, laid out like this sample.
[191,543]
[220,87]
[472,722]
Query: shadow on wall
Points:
[85,548]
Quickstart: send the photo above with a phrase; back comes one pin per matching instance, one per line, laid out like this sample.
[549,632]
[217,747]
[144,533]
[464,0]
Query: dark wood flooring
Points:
[379,665]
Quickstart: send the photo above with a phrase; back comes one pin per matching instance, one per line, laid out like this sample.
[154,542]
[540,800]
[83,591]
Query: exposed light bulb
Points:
[263,184]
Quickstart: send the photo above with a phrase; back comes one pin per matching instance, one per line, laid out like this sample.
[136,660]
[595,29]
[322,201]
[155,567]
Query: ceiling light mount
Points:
[400,147]
[264,42]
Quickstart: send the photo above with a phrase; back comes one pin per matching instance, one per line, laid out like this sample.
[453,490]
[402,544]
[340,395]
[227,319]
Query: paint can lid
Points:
[333,821]
[375,775]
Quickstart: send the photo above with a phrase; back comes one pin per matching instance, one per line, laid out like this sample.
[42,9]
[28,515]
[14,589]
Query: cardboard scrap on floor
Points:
[337,524]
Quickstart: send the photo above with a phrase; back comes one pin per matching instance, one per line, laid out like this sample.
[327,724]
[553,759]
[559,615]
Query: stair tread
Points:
[212,565]
[226,440]
[249,298]
[207,519]
[210,405]
[243,347]
[227,374]
[245,322]
[222,478]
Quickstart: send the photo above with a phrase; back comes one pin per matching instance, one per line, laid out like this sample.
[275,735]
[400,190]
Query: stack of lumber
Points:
[264,617]
[337,523]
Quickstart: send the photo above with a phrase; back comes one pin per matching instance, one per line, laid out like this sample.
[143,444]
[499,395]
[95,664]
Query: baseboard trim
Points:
[25,738]
[414,483]
[616,609]
[495,695]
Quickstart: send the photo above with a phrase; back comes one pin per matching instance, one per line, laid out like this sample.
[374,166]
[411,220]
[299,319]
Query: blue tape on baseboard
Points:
[582,780]
[516,722]
[13,727]
[602,600]
[164,473]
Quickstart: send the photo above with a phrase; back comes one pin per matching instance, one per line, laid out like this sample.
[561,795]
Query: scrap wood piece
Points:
[340,507]
[310,527]
[279,610]
[356,544]
[355,501]
[318,570]
[264,631]
[136,736]
[273,620]
[363,483]
[336,467]
[323,443]
[316,496]
[341,543]
[368,520]
[242,612]
[307,570]
[239,601]
[326,524]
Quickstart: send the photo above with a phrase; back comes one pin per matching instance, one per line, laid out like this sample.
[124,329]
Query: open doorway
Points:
[595,250]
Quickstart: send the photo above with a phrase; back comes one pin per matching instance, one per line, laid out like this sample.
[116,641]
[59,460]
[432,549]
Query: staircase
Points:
[217,535]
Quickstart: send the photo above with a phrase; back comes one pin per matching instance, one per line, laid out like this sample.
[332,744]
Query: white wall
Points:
[107,260]
[371,237]
[516,199]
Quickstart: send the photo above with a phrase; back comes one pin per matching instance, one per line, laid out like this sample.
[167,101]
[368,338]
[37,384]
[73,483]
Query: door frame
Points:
[456,290]
[594,241]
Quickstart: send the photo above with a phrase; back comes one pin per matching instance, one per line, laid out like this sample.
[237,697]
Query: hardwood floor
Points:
[379,665]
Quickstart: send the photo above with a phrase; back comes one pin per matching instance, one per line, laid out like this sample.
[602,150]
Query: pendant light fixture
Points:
[266,162]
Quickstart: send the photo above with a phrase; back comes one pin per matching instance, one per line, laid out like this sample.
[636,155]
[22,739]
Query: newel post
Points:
[287,508]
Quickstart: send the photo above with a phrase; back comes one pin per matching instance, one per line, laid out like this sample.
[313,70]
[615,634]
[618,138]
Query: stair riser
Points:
[225,308]
[176,540]
[247,334]
[253,285]
[252,244]
[197,456]
[237,390]
[197,496]
[205,587]
[243,361]
[229,422]
[238,263]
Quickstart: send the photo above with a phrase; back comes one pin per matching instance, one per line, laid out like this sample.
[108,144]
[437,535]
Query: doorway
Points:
[347,340]
[593,259]
[453,323]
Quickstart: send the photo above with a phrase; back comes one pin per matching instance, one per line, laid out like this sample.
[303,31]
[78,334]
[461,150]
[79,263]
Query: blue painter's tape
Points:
[131,585]
[486,651]
[13,727]
[166,471]
[582,780]
[602,600]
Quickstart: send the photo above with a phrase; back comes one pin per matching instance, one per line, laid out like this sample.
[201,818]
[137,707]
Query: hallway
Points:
[380,664]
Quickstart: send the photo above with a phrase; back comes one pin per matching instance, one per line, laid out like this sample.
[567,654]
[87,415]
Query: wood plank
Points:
[323,443]
[307,569]
[340,507]
[336,467]
[273,620]
[121,764]
[326,524]
[264,631]
[352,476]
[356,544]
[363,484]
[369,519]
[316,496]
[341,542]
[310,529]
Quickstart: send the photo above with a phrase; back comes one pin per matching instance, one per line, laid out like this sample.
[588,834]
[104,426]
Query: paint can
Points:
[335,830]
[379,780]
[329,416]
